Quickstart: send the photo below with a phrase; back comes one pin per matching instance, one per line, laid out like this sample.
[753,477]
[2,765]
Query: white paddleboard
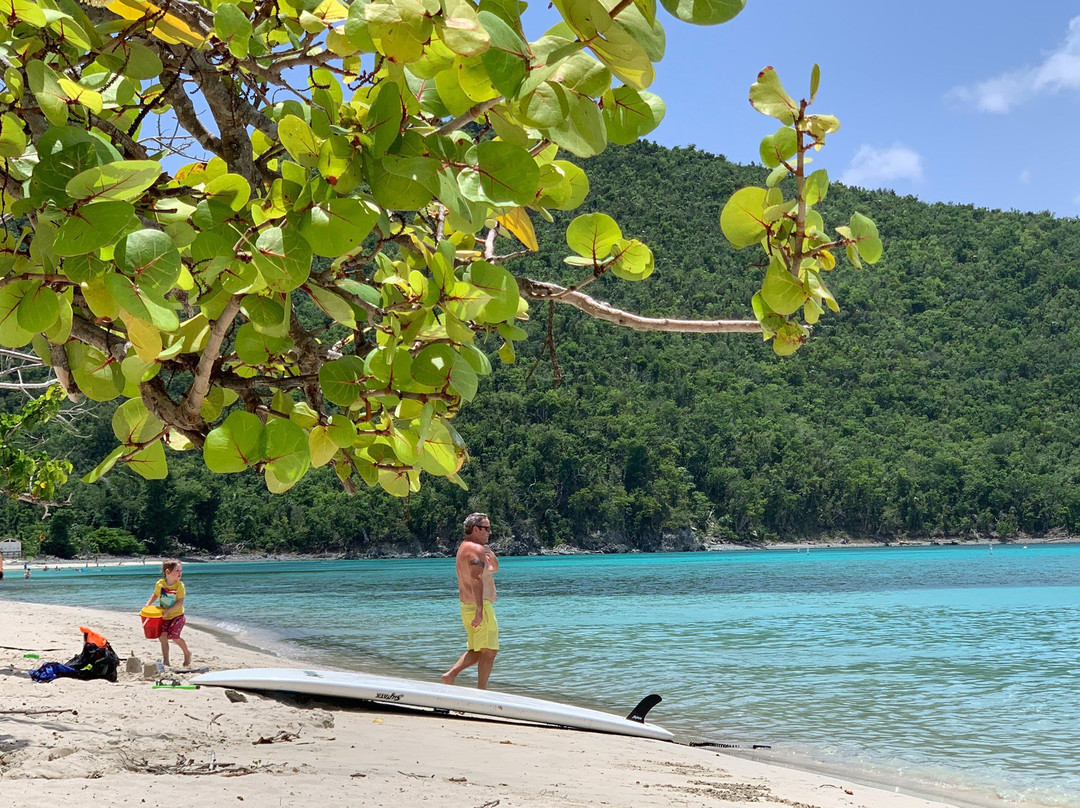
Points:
[434,695]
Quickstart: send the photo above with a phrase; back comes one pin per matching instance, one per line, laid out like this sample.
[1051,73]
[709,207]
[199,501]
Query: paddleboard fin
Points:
[638,713]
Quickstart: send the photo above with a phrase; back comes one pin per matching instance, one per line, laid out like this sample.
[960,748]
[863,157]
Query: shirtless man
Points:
[476,568]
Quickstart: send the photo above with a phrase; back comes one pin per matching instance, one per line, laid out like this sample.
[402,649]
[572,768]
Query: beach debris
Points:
[417,776]
[235,697]
[281,737]
[186,765]
[38,712]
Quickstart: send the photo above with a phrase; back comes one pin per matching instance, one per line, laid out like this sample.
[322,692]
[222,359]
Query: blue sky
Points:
[950,101]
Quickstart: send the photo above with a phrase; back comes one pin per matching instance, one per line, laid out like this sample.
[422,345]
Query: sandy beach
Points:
[127,743]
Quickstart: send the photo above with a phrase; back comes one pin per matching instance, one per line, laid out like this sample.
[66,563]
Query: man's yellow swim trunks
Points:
[486,635]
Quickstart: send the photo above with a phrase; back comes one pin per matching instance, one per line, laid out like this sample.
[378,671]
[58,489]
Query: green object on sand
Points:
[31,656]
[176,687]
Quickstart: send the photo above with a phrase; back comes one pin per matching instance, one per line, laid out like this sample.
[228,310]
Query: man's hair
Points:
[474,519]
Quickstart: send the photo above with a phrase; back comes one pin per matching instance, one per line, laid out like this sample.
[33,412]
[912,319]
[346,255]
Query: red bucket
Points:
[151,622]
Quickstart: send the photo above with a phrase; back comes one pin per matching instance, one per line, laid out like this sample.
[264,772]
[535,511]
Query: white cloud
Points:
[881,168]
[1060,70]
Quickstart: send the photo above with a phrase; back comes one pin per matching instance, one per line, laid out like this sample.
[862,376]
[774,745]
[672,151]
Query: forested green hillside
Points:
[942,400]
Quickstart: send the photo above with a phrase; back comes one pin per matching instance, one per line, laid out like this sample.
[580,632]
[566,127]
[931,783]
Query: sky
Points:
[952,101]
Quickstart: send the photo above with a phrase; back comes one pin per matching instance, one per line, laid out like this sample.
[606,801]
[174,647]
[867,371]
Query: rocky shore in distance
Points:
[680,542]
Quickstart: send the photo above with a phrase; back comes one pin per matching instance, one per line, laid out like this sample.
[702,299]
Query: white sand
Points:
[72,742]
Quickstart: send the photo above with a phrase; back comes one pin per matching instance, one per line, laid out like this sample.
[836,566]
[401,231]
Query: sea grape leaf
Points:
[779,147]
[432,365]
[507,59]
[742,220]
[704,12]
[321,447]
[500,285]
[816,187]
[592,235]
[97,375]
[461,32]
[629,114]
[285,449]
[384,118]
[39,307]
[283,257]
[255,348]
[768,96]
[783,293]
[149,463]
[583,132]
[867,240]
[151,258]
[342,431]
[93,226]
[499,173]
[123,180]
[45,84]
[441,453]
[634,262]
[299,140]
[463,379]
[517,221]
[235,445]
[342,380]
[12,137]
[544,106]
[231,190]
[105,466]
[233,27]
[132,422]
[337,227]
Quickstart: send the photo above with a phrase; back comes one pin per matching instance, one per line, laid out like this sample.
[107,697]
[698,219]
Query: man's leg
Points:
[467,659]
[483,670]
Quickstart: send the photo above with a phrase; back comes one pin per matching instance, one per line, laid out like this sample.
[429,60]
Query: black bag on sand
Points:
[95,662]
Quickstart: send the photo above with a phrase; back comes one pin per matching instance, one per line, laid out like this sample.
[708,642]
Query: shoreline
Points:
[129,732]
[15,566]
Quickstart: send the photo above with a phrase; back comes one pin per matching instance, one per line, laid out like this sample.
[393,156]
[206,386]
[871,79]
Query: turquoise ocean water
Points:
[938,667]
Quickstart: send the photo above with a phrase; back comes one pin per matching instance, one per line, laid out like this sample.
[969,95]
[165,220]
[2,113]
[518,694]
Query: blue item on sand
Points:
[50,671]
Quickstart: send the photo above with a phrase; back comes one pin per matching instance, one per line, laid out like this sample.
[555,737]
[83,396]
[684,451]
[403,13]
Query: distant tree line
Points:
[941,401]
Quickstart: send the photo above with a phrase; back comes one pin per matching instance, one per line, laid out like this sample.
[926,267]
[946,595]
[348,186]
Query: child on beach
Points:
[169,593]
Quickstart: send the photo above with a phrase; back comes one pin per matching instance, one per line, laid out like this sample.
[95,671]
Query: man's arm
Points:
[477,562]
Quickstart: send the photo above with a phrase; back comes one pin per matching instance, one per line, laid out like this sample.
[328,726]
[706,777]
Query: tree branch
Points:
[467,117]
[540,290]
[188,117]
[200,385]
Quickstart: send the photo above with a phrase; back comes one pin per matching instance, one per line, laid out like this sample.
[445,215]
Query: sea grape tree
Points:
[792,233]
[186,183]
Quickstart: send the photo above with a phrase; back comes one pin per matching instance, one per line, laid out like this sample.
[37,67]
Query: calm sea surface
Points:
[945,666]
